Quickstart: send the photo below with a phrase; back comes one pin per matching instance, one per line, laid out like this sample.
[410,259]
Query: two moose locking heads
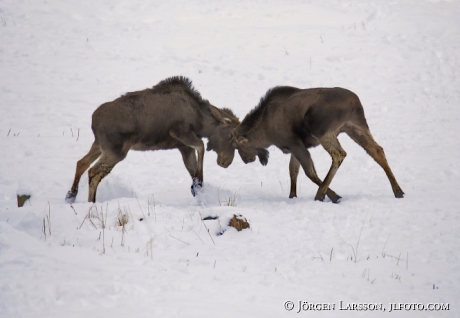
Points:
[173,115]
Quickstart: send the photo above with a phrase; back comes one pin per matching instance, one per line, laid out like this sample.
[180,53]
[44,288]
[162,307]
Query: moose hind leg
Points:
[333,147]
[190,162]
[82,165]
[101,169]
[363,137]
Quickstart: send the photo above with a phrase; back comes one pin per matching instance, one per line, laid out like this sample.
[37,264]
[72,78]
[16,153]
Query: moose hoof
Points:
[399,194]
[319,197]
[335,198]
[292,196]
[196,186]
[70,197]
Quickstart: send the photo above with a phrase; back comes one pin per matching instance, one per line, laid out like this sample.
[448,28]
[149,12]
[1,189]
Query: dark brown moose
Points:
[170,115]
[296,119]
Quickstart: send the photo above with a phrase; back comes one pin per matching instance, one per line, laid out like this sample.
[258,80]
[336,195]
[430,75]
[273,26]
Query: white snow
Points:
[59,60]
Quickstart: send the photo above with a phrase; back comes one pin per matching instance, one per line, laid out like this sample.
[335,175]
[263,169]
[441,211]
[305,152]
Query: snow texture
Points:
[59,60]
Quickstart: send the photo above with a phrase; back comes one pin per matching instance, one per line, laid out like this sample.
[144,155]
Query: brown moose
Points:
[171,115]
[296,119]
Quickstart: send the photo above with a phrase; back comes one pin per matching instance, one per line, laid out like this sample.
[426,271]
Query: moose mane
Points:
[228,111]
[178,82]
[185,85]
[255,116]
[181,85]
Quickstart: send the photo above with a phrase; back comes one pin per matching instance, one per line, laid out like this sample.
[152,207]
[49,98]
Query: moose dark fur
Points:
[171,115]
[295,119]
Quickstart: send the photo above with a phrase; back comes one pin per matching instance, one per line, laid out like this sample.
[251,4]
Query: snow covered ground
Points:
[59,60]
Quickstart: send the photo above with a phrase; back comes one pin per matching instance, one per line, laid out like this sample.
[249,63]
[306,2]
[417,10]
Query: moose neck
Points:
[258,138]
[257,123]
[209,126]
[254,131]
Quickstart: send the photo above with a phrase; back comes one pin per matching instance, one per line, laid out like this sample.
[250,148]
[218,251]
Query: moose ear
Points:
[215,112]
[218,115]
[263,155]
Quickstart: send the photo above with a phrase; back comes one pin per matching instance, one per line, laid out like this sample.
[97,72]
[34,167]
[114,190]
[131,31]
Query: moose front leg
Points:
[333,147]
[194,166]
[190,162]
[307,164]
[294,167]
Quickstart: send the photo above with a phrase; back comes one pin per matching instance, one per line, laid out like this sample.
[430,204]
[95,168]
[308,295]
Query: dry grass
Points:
[95,213]
[151,204]
[122,221]
[230,201]
[46,227]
